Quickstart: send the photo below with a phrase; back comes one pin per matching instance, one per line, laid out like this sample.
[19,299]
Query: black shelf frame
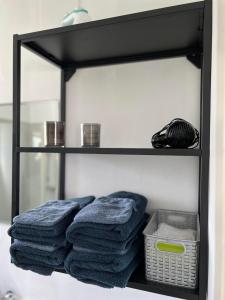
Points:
[112,151]
[193,41]
[138,282]
[177,22]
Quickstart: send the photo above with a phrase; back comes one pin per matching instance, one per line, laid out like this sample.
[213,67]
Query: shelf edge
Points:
[198,5]
[113,151]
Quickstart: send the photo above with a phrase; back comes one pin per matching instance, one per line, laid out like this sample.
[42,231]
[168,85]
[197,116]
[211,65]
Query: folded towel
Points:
[171,232]
[110,246]
[107,210]
[52,258]
[86,259]
[48,248]
[34,237]
[115,232]
[100,278]
[83,201]
[37,267]
[49,220]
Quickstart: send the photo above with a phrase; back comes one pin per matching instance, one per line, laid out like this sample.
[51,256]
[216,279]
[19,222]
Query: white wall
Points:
[217,207]
[132,102]
[154,92]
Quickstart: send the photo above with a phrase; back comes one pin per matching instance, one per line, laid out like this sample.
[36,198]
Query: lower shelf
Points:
[138,282]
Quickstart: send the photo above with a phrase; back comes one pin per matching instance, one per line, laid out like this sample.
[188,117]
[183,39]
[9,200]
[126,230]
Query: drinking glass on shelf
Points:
[54,133]
[90,134]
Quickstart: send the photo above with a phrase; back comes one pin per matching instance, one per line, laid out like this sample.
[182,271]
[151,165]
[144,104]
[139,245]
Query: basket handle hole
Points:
[170,247]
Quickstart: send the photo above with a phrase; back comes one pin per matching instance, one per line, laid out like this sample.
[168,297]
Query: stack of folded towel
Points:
[39,235]
[107,240]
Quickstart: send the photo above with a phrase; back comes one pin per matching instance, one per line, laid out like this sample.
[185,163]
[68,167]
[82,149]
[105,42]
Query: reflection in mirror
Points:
[33,116]
[39,177]
[39,172]
[5,161]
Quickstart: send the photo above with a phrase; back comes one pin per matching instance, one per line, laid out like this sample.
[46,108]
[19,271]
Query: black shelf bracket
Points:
[195,59]
[69,72]
[34,48]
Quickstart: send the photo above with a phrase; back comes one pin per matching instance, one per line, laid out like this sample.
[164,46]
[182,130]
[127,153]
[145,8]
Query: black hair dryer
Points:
[177,134]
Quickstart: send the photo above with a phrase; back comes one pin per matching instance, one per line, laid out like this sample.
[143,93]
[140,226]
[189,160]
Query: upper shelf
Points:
[161,33]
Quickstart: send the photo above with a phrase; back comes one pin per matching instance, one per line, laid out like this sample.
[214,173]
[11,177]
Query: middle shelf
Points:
[118,151]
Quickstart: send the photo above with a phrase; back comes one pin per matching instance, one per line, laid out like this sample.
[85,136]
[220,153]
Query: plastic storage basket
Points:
[172,261]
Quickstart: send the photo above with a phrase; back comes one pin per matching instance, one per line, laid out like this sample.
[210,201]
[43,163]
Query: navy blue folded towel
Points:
[55,241]
[48,221]
[36,267]
[101,278]
[110,246]
[40,244]
[100,261]
[42,247]
[107,210]
[39,259]
[110,230]
[54,257]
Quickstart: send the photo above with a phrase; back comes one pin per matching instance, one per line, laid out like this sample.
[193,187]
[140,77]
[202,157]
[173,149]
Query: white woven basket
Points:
[171,261]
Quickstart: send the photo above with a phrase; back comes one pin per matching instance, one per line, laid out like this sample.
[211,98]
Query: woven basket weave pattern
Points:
[172,268]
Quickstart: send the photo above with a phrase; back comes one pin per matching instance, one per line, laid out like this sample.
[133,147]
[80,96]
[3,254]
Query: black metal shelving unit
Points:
[184,30]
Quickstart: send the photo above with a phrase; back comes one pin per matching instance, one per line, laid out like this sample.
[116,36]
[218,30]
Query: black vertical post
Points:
[62,118]
[205,146]
[16,125]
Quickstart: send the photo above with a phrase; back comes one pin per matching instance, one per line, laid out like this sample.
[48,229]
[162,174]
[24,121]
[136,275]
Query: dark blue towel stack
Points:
[39,235]
[107,240]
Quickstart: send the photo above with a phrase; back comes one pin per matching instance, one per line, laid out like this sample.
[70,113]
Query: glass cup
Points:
[54,133]
[90,134]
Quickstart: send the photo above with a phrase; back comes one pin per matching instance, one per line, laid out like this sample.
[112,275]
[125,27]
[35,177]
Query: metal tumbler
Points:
[54,133]
[90,135]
